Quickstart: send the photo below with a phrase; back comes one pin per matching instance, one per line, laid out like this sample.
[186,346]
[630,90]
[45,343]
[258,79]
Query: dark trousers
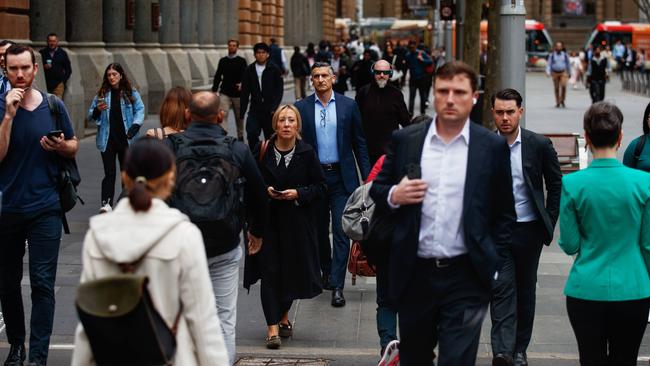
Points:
[256,123]
[386,313]
[271,293]
[444,305]
[108,159]
[512,306]
[42,231]
[422,86]
[332,209]
[608,332]
[597,90]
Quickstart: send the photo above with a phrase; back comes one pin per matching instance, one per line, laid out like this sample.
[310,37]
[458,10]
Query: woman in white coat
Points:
[177,267]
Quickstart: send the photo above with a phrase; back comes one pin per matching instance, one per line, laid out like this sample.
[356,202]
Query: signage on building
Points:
[573,7]
[419,4]
[130,14]
[155,17]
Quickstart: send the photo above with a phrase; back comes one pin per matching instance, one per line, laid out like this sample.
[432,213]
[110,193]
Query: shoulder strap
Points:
[638,149]
[55,110]
[263,147]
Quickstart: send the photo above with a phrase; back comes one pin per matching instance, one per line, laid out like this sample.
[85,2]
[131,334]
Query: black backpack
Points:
[209,184]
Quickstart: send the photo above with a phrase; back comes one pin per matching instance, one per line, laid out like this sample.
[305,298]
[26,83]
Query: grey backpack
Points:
[357,213]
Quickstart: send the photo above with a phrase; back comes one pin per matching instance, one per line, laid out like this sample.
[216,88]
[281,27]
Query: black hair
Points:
[646,114]
[603,122]
[147,158]
[16,49]
[52,35]
[507,94]
[5,42]
[125,87]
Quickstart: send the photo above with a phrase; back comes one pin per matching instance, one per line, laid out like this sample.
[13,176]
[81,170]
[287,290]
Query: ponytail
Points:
[139,195]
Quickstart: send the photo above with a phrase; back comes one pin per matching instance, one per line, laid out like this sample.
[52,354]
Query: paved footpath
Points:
[347,336]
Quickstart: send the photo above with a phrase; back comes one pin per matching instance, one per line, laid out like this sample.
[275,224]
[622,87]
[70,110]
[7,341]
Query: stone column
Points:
[119,42]
[279,21]
[156,65]
[45,17]
[547,13]
[169,35]
[245,22]
[256,17]
[88,59]
[189,43]
[206,16]
[233,19]
[600,10]
[220,21]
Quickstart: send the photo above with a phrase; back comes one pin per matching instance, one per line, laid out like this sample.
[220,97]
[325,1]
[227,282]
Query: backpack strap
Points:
[263,147]
[638,149]
[55,111]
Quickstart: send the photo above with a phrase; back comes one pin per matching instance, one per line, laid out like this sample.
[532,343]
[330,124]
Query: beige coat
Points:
[177,270]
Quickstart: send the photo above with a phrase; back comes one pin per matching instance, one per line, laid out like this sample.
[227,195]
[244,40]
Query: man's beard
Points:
[382,83]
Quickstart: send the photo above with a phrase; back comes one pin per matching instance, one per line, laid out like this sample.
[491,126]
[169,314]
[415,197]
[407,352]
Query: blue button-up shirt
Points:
[523,202]
[325,117]
[4,84]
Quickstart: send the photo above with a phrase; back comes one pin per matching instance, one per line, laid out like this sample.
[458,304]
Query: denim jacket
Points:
[131,113]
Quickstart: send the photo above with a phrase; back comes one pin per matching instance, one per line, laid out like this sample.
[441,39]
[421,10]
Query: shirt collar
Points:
[464,133]
[517,140]
[317,100]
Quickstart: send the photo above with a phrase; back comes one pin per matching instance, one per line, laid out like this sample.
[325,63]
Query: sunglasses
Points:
[383,72]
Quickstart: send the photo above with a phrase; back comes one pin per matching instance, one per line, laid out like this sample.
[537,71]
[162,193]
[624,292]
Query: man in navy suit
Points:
[446,185]
[331,123]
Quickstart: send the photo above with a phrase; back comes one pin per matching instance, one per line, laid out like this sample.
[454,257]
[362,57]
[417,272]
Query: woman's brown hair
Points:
[172,109]
[147,165]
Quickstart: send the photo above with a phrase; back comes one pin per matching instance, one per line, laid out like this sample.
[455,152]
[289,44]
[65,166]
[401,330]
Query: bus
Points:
[607,33]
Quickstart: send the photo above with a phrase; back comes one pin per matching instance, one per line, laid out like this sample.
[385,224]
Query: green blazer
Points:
[605,220]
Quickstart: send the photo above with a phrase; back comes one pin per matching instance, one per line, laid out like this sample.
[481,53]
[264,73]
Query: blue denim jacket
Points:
[131,113]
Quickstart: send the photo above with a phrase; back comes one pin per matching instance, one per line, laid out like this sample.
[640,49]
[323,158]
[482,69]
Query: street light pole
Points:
[448,43]
[460,30]
[513,47]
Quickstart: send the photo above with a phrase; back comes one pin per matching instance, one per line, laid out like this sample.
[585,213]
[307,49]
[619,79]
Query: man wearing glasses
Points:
[382,110]
[332,125]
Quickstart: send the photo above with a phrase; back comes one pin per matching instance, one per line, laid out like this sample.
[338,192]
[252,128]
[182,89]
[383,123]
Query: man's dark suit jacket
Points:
[349,136]
[488,204]
[540,166]
[263,101]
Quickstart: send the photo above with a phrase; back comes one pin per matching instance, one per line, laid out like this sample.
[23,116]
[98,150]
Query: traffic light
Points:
[447,9]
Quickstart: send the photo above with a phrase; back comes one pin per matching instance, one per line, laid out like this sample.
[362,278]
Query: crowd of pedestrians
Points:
[467,210]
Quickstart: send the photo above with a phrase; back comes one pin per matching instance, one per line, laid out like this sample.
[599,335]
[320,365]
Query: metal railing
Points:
[635,81]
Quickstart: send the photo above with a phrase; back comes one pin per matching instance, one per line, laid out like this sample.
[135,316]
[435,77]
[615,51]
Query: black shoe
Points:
[16,355]
[520,359]
[325,282]
[337,298]
[557,105]
[562,104]
[502,360]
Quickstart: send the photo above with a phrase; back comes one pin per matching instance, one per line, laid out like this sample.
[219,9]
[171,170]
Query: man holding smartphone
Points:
[450,216]
[30,209]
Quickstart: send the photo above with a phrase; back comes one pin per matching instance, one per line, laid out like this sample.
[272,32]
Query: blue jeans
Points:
[386,314]
[337,196]
[42,231]
[224,273]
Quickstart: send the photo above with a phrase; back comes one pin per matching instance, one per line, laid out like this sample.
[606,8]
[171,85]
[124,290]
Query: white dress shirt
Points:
[260,70]
[523,203]
[336,63]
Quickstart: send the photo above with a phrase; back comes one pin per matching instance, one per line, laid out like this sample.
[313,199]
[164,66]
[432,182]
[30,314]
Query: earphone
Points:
[372,68]
[474,100]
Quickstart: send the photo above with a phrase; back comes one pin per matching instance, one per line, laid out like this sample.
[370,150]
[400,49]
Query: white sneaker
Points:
[391,354]
[105,208]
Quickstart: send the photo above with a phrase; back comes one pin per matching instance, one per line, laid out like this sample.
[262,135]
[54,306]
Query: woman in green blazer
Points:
[605,222]
[643,160]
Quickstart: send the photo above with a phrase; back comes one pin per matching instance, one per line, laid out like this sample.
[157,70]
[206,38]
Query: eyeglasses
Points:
[382,72]
[323,118]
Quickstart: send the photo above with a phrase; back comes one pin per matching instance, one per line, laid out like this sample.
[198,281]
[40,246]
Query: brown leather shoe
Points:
[273,342]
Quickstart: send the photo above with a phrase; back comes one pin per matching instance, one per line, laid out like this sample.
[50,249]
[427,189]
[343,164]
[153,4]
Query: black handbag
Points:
[121,322]
[68,173]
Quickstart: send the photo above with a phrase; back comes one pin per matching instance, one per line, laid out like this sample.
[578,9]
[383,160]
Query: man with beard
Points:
[382,110]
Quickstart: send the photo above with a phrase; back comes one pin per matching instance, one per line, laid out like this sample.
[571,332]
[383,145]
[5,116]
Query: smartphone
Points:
[275,191]
[413,171]
[52,134]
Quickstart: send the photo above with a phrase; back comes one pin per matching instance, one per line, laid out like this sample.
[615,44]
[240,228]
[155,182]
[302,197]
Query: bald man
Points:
[382,110]
[221,239]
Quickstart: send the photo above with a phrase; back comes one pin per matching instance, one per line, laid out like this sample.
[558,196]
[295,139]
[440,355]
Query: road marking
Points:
[2,323]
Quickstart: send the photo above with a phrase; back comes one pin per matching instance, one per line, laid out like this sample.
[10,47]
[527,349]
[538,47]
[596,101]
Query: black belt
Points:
[444,262]
[331,167]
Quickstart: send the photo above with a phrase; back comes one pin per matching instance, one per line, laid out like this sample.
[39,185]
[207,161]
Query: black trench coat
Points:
[290,246]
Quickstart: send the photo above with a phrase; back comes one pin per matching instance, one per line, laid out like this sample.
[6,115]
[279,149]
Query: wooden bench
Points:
[567,146]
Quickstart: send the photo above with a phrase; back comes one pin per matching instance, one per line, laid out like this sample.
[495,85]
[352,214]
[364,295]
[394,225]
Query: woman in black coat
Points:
[288,261]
